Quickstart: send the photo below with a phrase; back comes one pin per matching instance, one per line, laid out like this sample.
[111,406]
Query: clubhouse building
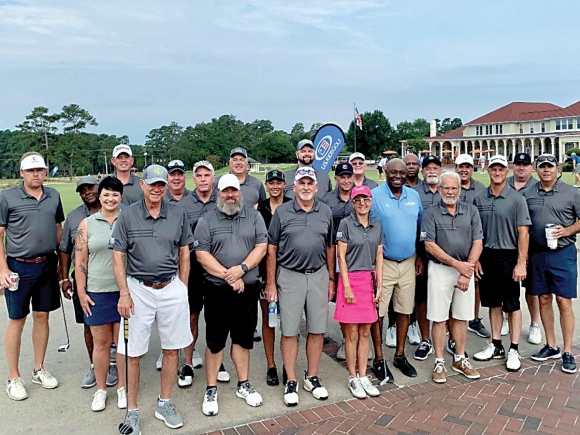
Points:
[533,128]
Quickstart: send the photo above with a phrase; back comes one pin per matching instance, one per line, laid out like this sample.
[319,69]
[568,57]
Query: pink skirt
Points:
[363,310]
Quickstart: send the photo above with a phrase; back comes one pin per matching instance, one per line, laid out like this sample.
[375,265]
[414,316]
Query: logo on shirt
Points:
[339,234]
[111,242]
[410,203]
[195,243]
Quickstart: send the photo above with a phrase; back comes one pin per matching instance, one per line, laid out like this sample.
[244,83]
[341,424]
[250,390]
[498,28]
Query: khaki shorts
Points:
[398,284]
[442,295]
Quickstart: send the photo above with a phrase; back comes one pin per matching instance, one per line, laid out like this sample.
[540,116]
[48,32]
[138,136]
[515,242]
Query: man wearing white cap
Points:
[30,222]
[123,161]
[359,166]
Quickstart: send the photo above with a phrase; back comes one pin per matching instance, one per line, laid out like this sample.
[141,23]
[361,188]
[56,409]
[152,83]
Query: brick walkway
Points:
[540,398]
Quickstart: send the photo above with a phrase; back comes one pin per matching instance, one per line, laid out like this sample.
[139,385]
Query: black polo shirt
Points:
[265,211]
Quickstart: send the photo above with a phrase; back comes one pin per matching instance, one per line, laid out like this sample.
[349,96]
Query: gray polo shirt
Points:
[132,191]
[453,234]
[30,223]
[340,208]
[69,231]
[501,216]
[230,239]
[301,237]
[322,179]
[560,206]
[152,245]
[362,243]
[253,191]
[371,184]
[467,195]
[428,198]
[511,182]
[194,207]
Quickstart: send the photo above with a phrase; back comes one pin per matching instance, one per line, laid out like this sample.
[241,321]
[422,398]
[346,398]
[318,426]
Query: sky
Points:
[138,65]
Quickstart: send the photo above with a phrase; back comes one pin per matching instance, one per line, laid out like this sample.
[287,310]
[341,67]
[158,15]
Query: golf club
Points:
[124,428]
[64,347]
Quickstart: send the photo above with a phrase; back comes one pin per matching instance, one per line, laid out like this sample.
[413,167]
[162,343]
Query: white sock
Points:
[458,357]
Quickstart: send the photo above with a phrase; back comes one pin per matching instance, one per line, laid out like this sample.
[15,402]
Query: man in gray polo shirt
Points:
[305,156]
[30,224]
[427,189]
[123,161]
[359,167]
[502,264]
[151,265]
[300,274]
[230,241]
[413,165]
[453,242]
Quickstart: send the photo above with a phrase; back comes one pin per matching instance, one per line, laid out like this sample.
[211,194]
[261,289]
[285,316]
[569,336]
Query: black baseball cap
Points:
[523,158]
[343,168]
[239,150]
[430,159]
[275,174]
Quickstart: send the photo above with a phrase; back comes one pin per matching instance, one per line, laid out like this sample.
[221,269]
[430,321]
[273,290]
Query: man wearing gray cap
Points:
[30,223]
[87,188]
[151,265]
[305,156]
[359,167]
[123,161]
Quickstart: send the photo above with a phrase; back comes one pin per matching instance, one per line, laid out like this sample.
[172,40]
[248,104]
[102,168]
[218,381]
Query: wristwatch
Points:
[244,267]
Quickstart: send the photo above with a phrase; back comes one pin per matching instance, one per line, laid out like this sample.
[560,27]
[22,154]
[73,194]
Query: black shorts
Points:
[380,169]
[496,286]
[38,287]
[421,286]
[196,287]
[230,313]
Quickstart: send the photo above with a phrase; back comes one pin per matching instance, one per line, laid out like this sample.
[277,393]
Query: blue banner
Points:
[328,141]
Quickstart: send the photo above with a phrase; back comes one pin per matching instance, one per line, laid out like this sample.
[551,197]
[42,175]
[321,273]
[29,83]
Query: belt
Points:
[396,261]
[156,285]
[36,260]
[308,271]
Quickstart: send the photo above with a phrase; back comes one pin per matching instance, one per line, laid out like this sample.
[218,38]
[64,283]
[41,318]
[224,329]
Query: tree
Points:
[377,135]
[419,128]
[75,119]
[40,122]
[416,145]
[447,125]
[162,142]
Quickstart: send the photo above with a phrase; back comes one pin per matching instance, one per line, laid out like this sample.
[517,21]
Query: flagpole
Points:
[354,126]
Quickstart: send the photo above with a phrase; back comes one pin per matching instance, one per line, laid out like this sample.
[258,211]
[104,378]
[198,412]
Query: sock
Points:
[457,357]
[136,410]
[439,360]
[514,346]
[497,343]
[209,387]
[161,401]
[242,382]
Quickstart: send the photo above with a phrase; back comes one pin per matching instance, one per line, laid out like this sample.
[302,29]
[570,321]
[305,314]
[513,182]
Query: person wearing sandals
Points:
[97,290]
[360,254]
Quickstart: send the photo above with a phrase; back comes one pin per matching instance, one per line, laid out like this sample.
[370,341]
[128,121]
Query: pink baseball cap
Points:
[360,191]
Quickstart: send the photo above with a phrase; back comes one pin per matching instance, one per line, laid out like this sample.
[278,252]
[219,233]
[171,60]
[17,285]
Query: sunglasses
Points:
[175,164]
[362,200]
[547,159]
[357,163]
[306,171]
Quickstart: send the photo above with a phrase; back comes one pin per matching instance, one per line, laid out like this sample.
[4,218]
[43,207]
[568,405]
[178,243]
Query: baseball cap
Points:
[360,191]
[464,159]
[86,180]
[119,149]
[203,164]
[305,172]
[356,156]
[275,174]
[239,150]
[33,161]
[523,158]
[176,165]
[430,159]
[343,168]
[154,173]
[498,159]
[547,158]
[228,180]
[303,143]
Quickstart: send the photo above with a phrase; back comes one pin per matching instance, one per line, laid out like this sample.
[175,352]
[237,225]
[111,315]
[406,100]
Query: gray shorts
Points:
[577,170]
[298,293]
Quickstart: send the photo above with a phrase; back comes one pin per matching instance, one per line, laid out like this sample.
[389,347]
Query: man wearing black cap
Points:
[252,189]
[305,156]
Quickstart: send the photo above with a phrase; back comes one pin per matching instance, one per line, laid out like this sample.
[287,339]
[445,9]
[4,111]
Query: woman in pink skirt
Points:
[360,252]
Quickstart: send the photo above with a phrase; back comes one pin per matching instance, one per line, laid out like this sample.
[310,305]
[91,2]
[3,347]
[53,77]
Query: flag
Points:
[358,118]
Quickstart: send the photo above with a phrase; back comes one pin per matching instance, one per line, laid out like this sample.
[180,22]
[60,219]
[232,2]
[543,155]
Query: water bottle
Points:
[272,314]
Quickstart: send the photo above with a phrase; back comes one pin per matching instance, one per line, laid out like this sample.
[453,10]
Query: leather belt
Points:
[396,261]
[36,260]
[308,271]
[157,285]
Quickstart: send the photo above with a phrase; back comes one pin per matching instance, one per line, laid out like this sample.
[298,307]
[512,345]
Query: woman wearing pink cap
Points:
[360,253]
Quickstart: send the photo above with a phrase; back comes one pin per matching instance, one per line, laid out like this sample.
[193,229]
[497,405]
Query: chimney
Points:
[433,128]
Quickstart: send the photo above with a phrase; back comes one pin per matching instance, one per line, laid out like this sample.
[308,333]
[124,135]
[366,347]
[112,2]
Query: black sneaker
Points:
[547,353]
[382,372]
[400,362]
[272,377]
[568,363]
[451,348]
[185,376]
[477,327]
[424,350]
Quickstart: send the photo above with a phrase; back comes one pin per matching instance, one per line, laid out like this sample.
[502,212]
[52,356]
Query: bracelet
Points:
[125,294]
[63,280]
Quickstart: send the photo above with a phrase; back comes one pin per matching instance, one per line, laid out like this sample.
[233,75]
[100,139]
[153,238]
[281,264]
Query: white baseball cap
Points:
[119,149]
[203,164]
[33,161]
[228,180]
[498,160]
[464,158]
[356,156]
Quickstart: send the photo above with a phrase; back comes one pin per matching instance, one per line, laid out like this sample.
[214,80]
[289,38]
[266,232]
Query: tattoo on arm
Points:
[84,269]
[80,240]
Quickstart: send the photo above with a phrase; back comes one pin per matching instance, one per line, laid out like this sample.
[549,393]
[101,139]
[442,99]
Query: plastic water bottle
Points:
[272,314]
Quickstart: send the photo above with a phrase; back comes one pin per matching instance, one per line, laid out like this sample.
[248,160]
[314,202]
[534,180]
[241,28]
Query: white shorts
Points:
[442,295]
[168,307]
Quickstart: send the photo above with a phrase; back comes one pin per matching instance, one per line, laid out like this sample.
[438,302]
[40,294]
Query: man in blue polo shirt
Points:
[398,208]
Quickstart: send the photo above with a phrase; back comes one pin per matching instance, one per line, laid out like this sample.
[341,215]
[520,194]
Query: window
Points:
[478,130]
[570,126]
[501,129]
[521,128]
[543,127]
[558,124]
[487,129]
[577,123]
[531,127]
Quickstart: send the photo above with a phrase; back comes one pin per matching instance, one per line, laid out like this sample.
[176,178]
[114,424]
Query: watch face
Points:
[244,267]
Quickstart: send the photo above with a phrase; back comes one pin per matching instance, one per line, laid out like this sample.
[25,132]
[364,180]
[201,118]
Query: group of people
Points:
[414,251]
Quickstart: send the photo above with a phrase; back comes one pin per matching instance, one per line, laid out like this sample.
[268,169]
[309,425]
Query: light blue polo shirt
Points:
[400,219]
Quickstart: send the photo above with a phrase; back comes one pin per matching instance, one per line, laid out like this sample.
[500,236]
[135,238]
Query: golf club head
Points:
[64,347]
[125,429]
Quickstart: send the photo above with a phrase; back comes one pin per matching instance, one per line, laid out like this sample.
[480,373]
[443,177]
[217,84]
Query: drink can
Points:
[14,279]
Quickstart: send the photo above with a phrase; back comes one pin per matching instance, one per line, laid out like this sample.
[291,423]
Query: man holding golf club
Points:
[30,221]
[151,265]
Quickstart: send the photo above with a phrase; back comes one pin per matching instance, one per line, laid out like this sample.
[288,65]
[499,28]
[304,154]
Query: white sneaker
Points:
[368,386]
[16,390]
[341,353]
[356,388]
[197,361]
[99,400]
[291,393]
[251,396]
[159,362]
[121,398]
[312,384]
[505,327]
[413,334]
[391,337]
[535,336]
[42,377]
[490,352]
[513,362]
[223,375]
[210,402]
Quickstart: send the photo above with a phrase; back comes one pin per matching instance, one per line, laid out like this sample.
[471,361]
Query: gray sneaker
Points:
[131,424]
[169,415]
[112,375]
[89,380]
